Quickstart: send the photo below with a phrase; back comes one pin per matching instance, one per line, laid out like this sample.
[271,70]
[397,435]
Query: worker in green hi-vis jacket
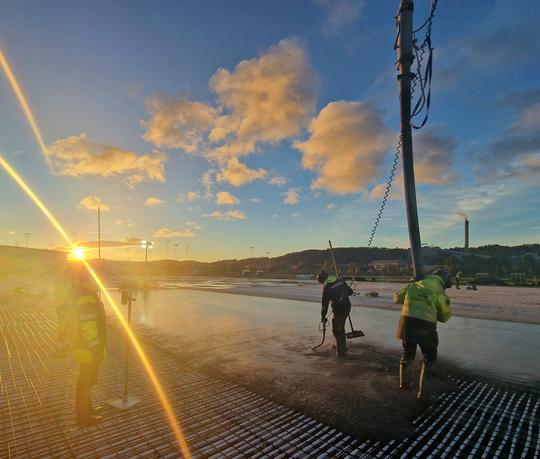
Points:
[424,304]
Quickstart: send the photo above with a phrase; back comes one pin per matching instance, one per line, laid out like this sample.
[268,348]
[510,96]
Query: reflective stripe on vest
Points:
[83,299]
[83,355]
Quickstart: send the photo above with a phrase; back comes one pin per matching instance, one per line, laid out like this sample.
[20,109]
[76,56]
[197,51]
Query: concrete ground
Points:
[515,304]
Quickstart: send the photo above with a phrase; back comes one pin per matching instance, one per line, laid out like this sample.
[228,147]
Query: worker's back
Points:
[425,299]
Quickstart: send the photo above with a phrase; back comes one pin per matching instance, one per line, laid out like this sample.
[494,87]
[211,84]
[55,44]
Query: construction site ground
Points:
[235,396]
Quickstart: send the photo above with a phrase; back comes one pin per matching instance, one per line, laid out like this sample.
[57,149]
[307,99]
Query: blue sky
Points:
[270,102]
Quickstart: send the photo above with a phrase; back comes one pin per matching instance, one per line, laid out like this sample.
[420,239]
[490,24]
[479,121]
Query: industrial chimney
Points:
[466,233]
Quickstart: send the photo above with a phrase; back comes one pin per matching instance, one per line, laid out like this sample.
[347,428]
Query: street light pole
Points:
[99,231]
[405,77]
[27,237]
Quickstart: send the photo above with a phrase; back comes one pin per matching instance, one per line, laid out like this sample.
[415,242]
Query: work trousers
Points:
[88,374]
[341,311]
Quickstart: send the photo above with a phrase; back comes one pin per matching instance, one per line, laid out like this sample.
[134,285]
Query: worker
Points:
[458,279]
[336,293]
[424,303]
[83,334]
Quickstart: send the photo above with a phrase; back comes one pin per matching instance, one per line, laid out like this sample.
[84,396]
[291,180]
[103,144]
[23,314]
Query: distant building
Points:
[246,272]
[387,265]
[260,273]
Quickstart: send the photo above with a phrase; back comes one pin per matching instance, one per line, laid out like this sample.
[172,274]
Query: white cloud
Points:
[346,147]
[190,196]
[178,123]
[266,99]
[152,201]
[291,196]
[331,206]
[229,215]
[76,156]
[278,181]
[254,200]
[165,232]
[237,173]
[93,203]
[194,225]
[295,214]
[224,198]
[340,13]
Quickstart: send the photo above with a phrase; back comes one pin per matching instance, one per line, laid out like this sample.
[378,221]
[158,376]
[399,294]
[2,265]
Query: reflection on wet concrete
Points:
[506,350]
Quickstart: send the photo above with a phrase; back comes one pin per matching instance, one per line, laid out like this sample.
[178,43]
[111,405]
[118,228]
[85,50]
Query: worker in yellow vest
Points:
[424,303]
[83,334]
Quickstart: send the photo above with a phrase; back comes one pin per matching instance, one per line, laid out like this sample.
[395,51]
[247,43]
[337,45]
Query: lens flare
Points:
[24,105]
[142,355]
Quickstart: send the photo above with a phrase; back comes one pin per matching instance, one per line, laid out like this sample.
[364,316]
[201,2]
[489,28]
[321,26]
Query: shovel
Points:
[353,333]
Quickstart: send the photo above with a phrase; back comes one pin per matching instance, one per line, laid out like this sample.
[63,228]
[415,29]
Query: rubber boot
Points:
[404,375]
[83,405]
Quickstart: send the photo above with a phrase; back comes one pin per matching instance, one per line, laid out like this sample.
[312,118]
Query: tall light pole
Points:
[251,249]
[176,251]
[146,245]
[27,237]
[167,249]
[405,77]
[99,231]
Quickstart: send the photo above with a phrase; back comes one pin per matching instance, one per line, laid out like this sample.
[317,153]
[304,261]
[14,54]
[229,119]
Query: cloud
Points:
[178,123]
[346,147]
[194,225]
[165,232]
[224,198]
[266,99]
[340,13]
[263,100]
[189,196]
[278,181]
[477,54]
[237,173]
[76,156]
[515,153]
[291,196]
[331,206]
[433,157]
[254,200]
[93,203]
[154,202]
[229,215]
[295,214]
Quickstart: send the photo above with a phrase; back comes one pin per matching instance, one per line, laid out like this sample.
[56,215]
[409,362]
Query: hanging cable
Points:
[423,76]
[386,191]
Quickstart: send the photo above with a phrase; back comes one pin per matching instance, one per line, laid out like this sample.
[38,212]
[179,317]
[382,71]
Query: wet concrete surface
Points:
[205,321]
[513,304]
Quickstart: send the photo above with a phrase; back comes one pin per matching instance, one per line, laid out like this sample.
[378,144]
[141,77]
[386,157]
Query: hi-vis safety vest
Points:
[88,343]
[425,299]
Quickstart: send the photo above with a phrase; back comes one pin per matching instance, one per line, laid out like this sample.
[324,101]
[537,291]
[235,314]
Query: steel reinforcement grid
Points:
[221,419]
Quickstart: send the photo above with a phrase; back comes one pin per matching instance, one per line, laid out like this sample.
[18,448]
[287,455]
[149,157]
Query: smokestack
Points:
[466,233]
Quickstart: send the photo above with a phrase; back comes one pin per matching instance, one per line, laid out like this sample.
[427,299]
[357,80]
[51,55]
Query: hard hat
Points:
[444,275]
[322,276]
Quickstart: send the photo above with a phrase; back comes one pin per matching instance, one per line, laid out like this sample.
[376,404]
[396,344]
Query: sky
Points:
[219,130]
